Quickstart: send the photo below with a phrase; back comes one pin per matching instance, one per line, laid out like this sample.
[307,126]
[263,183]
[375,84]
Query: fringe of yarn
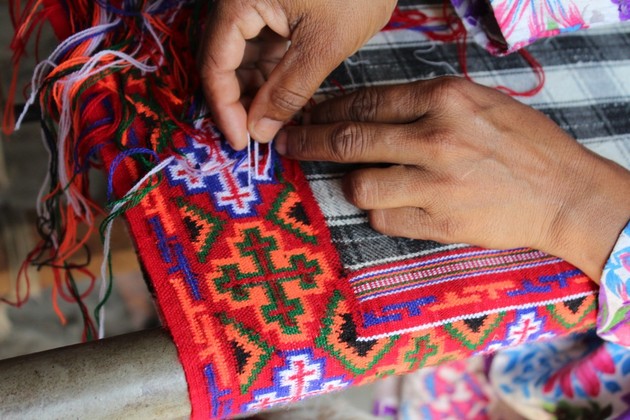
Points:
[132,59]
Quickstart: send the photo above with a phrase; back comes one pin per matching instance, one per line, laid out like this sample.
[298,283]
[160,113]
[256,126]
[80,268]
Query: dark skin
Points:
[468,164]
[253,81]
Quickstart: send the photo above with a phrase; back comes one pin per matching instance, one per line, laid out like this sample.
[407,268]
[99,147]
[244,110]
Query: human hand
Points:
[252,82]
[470,165]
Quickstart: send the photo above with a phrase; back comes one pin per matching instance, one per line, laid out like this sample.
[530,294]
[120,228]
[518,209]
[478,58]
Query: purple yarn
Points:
[118,160]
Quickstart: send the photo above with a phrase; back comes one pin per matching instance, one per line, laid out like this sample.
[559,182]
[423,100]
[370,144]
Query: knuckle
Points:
[364,105]
[299,146]
[347,142]
[360,190]
[286,101]
[445,138]
[443,142]
[450,90]
[446,230]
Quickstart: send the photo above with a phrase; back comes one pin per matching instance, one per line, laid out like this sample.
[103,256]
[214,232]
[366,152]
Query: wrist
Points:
[593,217]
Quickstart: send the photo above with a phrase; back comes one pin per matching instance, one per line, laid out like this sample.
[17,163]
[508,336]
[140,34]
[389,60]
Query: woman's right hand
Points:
[253,82]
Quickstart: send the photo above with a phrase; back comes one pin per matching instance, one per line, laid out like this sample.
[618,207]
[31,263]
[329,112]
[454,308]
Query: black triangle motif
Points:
[298,213]
[574,304]
[349,337]
[475,324]
[241,355]
[193,228]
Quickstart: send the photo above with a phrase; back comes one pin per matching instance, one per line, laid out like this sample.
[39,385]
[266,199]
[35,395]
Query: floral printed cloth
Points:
[578,377]
[575,377]
[613,320]
[503,26]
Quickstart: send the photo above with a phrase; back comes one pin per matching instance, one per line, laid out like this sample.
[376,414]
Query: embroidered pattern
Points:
[300,376]
[452,283]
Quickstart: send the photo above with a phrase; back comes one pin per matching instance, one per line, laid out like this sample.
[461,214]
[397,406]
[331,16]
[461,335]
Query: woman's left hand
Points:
[471,165]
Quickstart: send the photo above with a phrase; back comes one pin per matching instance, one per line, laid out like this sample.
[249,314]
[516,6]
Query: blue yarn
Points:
[119,158]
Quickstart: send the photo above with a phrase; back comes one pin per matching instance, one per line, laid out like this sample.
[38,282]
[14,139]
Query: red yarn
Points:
[451,29]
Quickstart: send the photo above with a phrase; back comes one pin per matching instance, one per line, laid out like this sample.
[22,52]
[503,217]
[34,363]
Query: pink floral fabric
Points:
[503,26]
[613,318]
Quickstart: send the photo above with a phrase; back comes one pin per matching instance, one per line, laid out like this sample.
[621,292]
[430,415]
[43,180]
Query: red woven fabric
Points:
[264,315]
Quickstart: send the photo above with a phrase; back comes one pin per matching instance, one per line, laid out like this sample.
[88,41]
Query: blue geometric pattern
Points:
[528,326]
[301,376]
[222,173]
[220,405]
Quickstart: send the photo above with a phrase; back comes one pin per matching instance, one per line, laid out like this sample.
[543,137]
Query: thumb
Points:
[291,84]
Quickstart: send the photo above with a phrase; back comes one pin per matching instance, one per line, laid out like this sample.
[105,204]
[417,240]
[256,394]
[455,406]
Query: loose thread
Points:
[95,85]
[249,161]
[95,34]
[450,28]
[256,159]
[269,162]
[129,200]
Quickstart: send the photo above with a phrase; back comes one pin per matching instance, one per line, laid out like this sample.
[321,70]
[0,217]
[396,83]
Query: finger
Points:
[407,222]
[292,82]
[386,188]
[348,142]
[221,54]
[395,104]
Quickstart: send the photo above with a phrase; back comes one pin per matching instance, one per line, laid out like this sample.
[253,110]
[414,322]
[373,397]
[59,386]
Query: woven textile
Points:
[263,312]
[273,287]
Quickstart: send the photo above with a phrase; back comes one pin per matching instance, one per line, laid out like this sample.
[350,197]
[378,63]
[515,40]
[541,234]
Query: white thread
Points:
[156,38]
[444,65]
[96,35]
[38,73]
[267,168]
[36,83]
[73,197]
[256,159]
[107,240]
[249,161]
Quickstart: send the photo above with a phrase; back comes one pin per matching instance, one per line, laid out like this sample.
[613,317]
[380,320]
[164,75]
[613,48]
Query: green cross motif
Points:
[280,309]
[417,357]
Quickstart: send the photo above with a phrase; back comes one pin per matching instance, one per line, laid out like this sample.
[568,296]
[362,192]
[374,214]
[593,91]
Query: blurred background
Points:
[23,166]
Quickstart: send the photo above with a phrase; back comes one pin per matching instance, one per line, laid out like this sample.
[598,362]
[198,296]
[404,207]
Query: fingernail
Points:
[281,143]
[266,129]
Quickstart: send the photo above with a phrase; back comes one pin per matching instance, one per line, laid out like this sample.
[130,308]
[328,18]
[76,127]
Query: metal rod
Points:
[135,375]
